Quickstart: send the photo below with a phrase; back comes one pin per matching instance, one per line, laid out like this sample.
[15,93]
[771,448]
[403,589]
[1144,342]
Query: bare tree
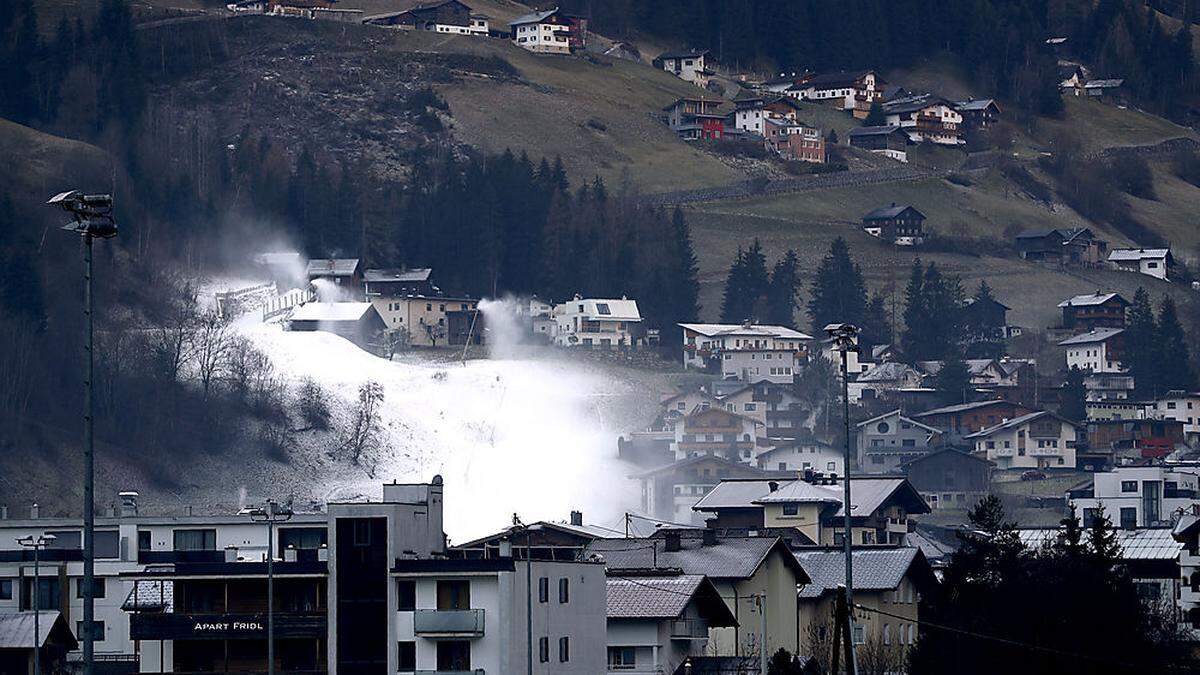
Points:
[252,375]
[434,331]
[213,343]
[363,434]
[879,656]
[314,409]
[396,340]
[276,432]
[171,336]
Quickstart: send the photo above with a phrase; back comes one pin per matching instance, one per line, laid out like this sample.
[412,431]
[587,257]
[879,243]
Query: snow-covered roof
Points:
[533,17]
[879,569]
[885,372]
[1013,423]
[607,310]
[331,311]
[753,330]
[867,494]
[1104,84]
[1089,299]
[1140,543]
[1092,336]
[1121,254]
[337,267]
[403,275]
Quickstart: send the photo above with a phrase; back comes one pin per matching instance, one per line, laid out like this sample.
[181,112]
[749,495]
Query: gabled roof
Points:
[888,212]
[533,17]
[1104,84]
[685,54]
[1119,254]
[402,275]
[1142,543]
[884,130]
[1040,233]
[906,419]
[331,311]
[337,267]
[867,494]
[961,407]
[1188,523]
[729,558]
[16,630]
[914,103]
[621,309]
[1092,336]
[740,330]
[833,80]
[885,372]
[665,597]
[976,104]
[875,569]
[1092,299]
[943,451]
[1017,422]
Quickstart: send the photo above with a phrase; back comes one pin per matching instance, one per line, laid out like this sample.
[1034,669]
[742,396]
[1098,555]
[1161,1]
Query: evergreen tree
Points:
[876,327]
[953,381]
[839,293]
[781,293]
[875,117]
[1141,354]
[1073,403]
[1174,358]
[733,300]
[916,315]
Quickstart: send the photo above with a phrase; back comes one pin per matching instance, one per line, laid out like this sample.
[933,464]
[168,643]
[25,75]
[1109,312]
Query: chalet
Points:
[747,352]
[782,107]
[1135,439]
[358,322]
[879,507]
[797,142]
[1108,386]
[882,378]
[670,491]
[782,83]
[800,455]
[1083,313]
[889,141]
[1074,246]
[549,32]
[717,432]
[343,272]
[597,323]
[409,302]
[784,412]
[978,113]
[1153,262]
[984,372]
[926,118]
[950,479]
[1097,351]
[1039,440]
[847,90]
[449,16]
[889,440]
[687,65]
[748,113]
[696,118]
[965,419]
[901,225]
[689,401]
[1099,88]
[985,320]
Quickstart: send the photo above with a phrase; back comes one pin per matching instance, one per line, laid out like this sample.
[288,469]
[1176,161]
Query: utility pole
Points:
[845,336]
[91,218]
[270,513]
[37,544]
[760,601]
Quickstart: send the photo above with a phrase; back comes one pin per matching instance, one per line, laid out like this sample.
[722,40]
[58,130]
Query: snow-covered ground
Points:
[532,437]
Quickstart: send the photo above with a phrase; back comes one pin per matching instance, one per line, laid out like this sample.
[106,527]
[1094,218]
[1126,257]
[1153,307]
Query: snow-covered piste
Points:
[509,436]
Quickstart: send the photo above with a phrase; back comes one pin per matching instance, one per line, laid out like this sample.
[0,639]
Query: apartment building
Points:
[597,323]
[1040,440]
[1137,496]
[747,352]
[1181,406]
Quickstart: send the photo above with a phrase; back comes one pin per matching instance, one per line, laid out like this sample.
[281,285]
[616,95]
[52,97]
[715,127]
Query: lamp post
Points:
[845,338]
[37,544]
[270,513]
[91,218]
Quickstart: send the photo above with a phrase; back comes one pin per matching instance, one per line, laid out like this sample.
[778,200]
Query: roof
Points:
[884,372]
[731,558]
[1092,336]
[914,103]
[1091,299]
[533,17]
[903,417]
[338,267]
[665,597]
[685,54]
[867,494]
[943,451]
[961,407]
[875,131]
[1104,84]
[1039,233]
[879,569]
[1014,423]
[890,212]
[759,330]
[1187,523]
[16,629]
[331,311]
[1118,254]
[975,104]
[611,310]
[1154,543]
[735,466]
[154,595]
[831,80]
[404,275]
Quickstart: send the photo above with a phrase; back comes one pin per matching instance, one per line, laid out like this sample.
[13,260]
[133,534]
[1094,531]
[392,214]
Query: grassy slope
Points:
[1100,125]
[46,163]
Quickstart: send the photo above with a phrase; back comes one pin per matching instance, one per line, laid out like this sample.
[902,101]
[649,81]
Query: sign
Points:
[172,626]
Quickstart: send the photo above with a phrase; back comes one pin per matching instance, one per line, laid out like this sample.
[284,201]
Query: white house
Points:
[926,118]
[746,352]
[687,65]
[596,323]
[1180,406]
[1152,262]
[548,32]
[1136,496]
[800,455]
[854,90]
[889,440]
[1096,351]
[748,114]
[656,621]
[1040,440]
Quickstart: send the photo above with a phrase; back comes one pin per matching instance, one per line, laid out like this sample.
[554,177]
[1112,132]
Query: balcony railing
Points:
[689,629]
[432,623]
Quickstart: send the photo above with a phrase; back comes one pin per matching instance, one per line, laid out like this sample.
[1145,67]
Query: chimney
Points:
[672,542]
[231,554]
[577,518]
[289,554]
[710,537]
[773,486]
[35,511]
[809,476]
[129,504]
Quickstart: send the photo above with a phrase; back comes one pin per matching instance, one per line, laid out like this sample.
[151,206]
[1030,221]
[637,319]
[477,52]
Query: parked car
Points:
[1033,474]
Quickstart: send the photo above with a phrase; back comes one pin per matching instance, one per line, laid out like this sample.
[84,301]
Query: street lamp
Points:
[845,338]
[91,218]
[37,544]
[270,513]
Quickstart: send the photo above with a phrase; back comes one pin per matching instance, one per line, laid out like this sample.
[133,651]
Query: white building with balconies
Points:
[747,352]
[1040,440]
[1138,496]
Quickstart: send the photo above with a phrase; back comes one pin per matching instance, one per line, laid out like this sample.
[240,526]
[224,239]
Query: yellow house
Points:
[423,316]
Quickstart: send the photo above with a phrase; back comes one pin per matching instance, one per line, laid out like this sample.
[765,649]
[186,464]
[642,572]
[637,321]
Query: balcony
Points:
[689,629]
[448,623]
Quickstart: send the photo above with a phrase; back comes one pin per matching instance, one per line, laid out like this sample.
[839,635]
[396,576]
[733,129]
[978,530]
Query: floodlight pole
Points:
[37,544]
[271,513]
[89,468]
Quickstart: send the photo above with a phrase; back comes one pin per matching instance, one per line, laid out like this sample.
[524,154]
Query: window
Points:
[1128,518]
[406,595]
[454,655]
[564,649]
[143,540]
[108,545]
[98,587]
[406,655]
[544,589]
[97,630]
[883,427]
[48,593]
[909,443]
[564,591]
[6,586]
[791,509]
[302,538]
[1129,486]
[195,540]
[72,539]
[602,309]
[362,533]
[859,634]
[887,634]
[453,594]
[543,649]
[622,658]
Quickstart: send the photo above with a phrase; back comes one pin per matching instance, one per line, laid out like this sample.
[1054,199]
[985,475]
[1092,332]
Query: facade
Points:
[887,140]
[669,492]
[1083,313]
[659,619]
[748,114]
[847,90]
[1099,350]
[1040,440]
[950,479]
[1072,246]
[549,32]
[1136,496]
[978,113]
[890,440]
[803,455]
[717,432]
[1153,262]
[686,65]
[797,142]
[959,421]
[696,119]
[926,118]
[596,323]
[882,378]
[746,352]
[1187,533]
[1180,406]
[901,225]
[1135,439]
[425,317]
